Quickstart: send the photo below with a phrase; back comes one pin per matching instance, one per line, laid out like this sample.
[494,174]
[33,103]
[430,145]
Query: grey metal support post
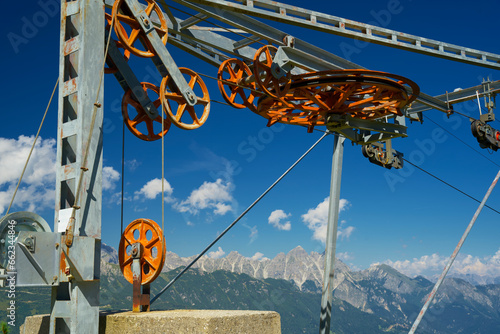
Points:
[331,235]
[75,292]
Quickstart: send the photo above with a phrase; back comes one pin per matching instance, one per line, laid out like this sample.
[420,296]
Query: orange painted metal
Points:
[123,16]
[142,117]
[358,93]
[234,76]
[151,262]
[175,105]
[262,71]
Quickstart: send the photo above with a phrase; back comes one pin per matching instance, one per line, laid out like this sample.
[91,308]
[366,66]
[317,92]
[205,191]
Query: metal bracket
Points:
[359,131]
[141,293]
[80,260]
[161,51]
[37,263]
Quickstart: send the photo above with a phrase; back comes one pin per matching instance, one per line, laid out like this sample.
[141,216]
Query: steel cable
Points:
[32,147]
[236,220]
[449,185]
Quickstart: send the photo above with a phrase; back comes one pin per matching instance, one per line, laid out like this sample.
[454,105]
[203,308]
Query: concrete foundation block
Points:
[175,322]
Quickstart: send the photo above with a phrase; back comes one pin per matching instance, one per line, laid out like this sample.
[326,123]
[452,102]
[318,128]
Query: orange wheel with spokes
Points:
[123,15]
[357,93]
[175,105]
[150,236]
[262,70]
[232,76]
[132,123]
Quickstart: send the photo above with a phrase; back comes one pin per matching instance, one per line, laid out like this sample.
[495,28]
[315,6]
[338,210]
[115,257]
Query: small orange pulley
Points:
[129,36]
[137,120]
[142,240]
[234,76]
[262,70]
[175,105]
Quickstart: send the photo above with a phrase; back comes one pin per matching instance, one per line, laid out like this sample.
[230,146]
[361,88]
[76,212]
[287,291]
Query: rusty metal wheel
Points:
[234,76]
[123,16]
[175,105]
[141,118]
[150,236]
[357,93]
[262,70]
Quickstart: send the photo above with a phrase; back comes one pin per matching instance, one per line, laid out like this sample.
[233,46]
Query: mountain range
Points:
[392,298]
[376,300]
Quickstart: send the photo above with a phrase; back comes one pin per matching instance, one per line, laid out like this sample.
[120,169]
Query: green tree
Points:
[4,328]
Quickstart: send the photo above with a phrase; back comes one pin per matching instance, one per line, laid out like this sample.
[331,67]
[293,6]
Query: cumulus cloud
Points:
[214,196]
[109,177]
[430,265]
[275,220]
[258,257]
[38,185]
[153,188]
[316,220]
[217,254]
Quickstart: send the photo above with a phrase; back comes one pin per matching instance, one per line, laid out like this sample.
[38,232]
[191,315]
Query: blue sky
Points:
[216,171]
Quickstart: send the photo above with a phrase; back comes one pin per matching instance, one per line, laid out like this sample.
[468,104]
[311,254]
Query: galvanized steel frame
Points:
[75,301]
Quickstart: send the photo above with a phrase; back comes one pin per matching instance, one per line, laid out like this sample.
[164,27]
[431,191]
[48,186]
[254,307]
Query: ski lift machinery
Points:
[286,80]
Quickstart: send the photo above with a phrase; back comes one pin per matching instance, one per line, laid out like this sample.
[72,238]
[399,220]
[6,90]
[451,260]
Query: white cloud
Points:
[132,164]
[38,185]
[430,265]
[258,257]
[153,188]
[210,195]
[254,234]
[345,256]
[189,223]
[275,220]
[222,209]
[217,254]
[316,220]
[109,177]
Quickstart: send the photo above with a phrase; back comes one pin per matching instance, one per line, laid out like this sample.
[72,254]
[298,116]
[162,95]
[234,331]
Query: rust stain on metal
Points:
[71,45]
[62,263]
[69,87]
[68,169]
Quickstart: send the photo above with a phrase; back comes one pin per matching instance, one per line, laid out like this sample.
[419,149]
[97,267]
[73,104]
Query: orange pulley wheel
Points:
[233,75]
[123,16]
[262,70]
[150,237]
[175,105]
[140,124]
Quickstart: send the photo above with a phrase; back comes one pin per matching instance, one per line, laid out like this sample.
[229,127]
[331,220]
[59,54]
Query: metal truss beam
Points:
[459,96]
[303,54]
[280,12]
